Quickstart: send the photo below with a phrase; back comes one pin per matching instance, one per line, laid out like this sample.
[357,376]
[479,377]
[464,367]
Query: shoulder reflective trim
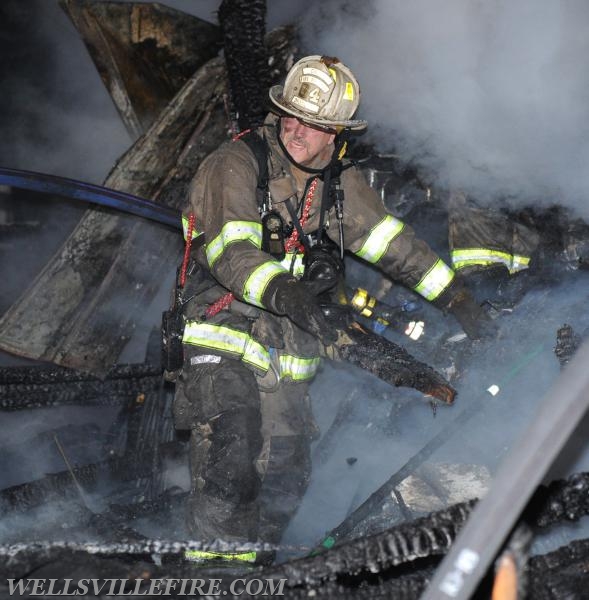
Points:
[234,231]
[435,281]
[293,263]
[255,285]
[379,239]
[202,556]
[467,257]
[195,231]
[297,368]
[227,339]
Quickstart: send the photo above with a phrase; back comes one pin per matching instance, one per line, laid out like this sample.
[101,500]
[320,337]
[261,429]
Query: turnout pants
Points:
[249,449]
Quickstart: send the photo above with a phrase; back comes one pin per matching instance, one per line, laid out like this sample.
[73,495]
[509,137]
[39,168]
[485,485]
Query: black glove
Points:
[475,322]
[290,297]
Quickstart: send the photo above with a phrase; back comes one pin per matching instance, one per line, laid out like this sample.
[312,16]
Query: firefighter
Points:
[270,215]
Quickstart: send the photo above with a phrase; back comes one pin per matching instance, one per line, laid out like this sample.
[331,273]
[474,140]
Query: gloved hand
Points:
[292,298]
[475,322]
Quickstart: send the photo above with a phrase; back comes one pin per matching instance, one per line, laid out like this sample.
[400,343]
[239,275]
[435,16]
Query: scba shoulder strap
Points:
[259,149]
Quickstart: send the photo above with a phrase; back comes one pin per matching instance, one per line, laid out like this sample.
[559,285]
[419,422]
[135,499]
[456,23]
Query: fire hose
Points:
[88,192]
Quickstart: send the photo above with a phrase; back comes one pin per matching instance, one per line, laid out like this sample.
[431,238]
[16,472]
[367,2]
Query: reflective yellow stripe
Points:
[297,268]
[379,239]
[435,281]
[195,232]
[202,555]
[227,339]
[234,231]
[255,285]
[466,257]
[297,368]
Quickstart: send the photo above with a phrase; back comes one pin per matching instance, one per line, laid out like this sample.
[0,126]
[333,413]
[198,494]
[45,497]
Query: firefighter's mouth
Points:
[297,144]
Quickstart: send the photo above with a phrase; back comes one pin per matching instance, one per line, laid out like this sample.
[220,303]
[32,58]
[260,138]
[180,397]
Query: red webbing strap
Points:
[223,302]
[240,134]
[191,221]
[293,241]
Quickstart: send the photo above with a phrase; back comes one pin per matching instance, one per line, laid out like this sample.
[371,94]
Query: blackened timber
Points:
[567,343]
[61,485]
[144,53]
[562,500]
[352,566]
[83,307]
[41,386]
[560,575]
[243,23]
[385,359]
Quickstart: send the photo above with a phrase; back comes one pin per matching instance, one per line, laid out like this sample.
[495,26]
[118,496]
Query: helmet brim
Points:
[277,97]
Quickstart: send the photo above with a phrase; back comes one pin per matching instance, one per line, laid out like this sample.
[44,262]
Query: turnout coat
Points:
[224,204]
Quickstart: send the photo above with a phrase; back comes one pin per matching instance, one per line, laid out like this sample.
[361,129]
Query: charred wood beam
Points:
[388,361]
[35,387]
[61,485]
[425,537]
[393,364]
[562,500]
[560,575]
[16,559]
[243,23]
[144,53]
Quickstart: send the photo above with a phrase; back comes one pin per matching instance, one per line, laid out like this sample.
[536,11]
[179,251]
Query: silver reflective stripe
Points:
[255,285]
[297,368]
[467,257]
[296,267]
[195,232]
[227,339]
[205,358]
[234,231]
[379,239]
[435,281]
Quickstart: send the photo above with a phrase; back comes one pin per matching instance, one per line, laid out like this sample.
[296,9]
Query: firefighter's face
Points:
[304,142]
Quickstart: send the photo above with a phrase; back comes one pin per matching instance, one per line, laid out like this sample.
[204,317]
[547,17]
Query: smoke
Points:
[57,116]
[490,97]
[387,427]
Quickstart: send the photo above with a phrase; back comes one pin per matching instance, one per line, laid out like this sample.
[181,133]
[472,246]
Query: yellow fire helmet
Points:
[322,91]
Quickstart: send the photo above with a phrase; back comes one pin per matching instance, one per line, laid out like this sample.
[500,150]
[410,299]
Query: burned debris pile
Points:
[179,100]
[398,560]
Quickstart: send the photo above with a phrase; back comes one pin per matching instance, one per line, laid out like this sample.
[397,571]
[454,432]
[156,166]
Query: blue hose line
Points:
[88,192]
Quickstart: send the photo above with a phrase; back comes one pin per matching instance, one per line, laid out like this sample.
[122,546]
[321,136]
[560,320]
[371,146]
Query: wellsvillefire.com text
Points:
[146,587]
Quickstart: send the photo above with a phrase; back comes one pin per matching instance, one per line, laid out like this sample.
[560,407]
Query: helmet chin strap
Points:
[332,194]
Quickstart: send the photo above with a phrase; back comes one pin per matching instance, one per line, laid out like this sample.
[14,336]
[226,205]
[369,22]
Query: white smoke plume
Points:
[490,97]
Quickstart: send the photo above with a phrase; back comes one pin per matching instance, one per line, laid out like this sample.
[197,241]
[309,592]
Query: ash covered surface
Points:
[121,512]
